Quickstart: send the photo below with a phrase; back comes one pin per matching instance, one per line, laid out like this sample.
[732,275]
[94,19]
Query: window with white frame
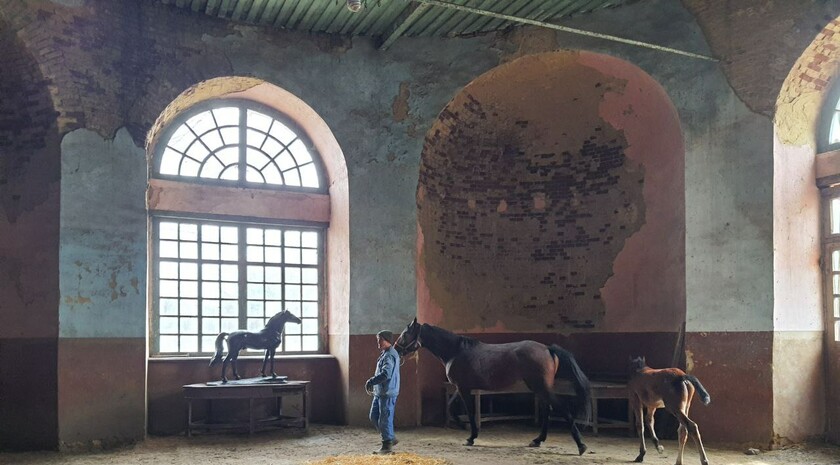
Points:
[831,254]
[214,274]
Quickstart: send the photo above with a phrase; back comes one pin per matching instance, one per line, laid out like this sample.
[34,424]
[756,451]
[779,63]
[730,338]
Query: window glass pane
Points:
[309,257]
[230,308]
[210,272]
[254,236]
[229,253]
[272,174]
[209,233]
[210,325]
[230,155]
[837,331]
[189,343]
[292,343]
[273,291]
[273,274]
[292,177]
[835,216]
[189,270]
[189,307]
[210,251]
[168,325]
[210,307]
[273,255]
[168,306]
[230,273]
[273,308]
[180,139]
[310,293]
[256,309]
[255,274]
[255,253]
[282,133]
[255,139]
[253,175]
[230,324]
[292,256]
[202,122]
[170,162]
[309,326]
[255,291]
[255,324]
[292,274]
[259,121]
[310,343]
[273,237]
[189,167]
[168,270]
[189,326]
[300,152]
[309,309]
[210,290]
[188,250]
[272,147]
[309,239]
[226,116]
[229,234]
[212,140]
[169,344]
[230,290]
[837,307]
[230,173]
[168,288]
[212,169]
[168,230]
[310,276]
[309,176]
[834,130]
[208,343]
[168,249]
[285,161]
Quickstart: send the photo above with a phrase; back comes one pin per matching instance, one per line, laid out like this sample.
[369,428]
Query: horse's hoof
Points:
[224,380]
[469,442]
[660,449]
[640,459]
[534,443]
[581,449]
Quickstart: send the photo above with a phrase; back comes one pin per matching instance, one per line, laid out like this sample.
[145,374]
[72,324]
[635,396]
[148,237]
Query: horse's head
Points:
[637,363]
[409,340]
[277,321]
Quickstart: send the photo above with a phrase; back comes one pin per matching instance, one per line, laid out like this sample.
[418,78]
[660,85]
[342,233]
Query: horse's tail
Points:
[704,394]
[568,368]
[218,356]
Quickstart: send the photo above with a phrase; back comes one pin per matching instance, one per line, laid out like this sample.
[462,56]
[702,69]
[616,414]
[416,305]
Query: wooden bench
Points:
[599,390]
[250,389]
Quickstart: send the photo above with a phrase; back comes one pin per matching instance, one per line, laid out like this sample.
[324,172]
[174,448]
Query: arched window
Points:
[828,179]
[236,231]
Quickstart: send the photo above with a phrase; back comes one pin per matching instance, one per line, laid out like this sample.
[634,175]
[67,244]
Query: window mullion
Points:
[243,279]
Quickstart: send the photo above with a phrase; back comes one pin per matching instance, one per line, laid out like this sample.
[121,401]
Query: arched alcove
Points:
[551,199]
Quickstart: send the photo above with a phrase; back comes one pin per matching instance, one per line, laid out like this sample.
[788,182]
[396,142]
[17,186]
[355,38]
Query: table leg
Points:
[595,415]
[189,417]
[305,395]
[252,422]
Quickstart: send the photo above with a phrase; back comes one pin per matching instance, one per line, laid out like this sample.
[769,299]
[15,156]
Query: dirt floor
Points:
[497,445]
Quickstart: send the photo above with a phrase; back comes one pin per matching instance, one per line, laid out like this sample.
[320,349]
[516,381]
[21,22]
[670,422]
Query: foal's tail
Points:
[704,394]
[569,369]
[218,356]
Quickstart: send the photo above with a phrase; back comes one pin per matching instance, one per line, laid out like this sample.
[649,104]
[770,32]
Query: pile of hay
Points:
[402,458]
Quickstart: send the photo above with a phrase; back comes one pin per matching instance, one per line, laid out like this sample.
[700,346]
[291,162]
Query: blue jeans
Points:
[382,416]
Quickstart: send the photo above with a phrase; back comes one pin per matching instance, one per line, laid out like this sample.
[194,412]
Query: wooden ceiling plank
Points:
[212,6]
[223,8]
[403,22]
[511,9]
[286,11]
[529,12]
[341,18]
[316,9]
[198,5]
[271,11]
[301,8]
[374,13]
[430,16]
[241,9]
[442,19]
[353,20]
[256,11]
[327,18]
[484,5]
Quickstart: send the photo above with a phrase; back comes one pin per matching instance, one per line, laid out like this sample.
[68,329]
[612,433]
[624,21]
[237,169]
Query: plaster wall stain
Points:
[525,198]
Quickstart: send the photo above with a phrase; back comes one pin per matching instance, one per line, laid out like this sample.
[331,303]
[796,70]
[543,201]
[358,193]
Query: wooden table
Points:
[251,389]
[598,390]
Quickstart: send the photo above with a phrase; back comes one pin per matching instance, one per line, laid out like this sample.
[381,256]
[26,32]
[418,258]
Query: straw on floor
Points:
[402,458]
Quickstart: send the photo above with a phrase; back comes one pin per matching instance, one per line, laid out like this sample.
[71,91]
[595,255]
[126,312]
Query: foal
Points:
[671,388]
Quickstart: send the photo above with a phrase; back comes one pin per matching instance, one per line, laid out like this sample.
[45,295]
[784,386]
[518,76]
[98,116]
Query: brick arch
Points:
[550,199]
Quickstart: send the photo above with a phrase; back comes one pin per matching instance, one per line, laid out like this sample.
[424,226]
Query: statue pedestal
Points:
[250,381]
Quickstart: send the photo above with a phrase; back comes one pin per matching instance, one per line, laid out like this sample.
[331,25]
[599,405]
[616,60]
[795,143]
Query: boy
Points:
[385,385]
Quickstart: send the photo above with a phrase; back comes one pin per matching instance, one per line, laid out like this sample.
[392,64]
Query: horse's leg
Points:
[225,363]
[692,430]
[273,374]
[639,412]
[233,364]
[469,405]
[650,412]
[265,359]
[450,409]
[544,414]
[563,409]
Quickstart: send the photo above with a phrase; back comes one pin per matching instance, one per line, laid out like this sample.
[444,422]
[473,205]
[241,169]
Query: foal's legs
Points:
[639,412]
[689,428]
[650,412]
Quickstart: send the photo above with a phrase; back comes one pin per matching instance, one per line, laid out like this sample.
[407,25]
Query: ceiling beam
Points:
[403,22]
[564,28]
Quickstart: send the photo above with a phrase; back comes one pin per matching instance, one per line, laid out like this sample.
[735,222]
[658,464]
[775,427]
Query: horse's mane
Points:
[462,342]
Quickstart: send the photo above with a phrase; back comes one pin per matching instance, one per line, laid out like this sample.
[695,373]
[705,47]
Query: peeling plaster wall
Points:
[118,65]
[527,195]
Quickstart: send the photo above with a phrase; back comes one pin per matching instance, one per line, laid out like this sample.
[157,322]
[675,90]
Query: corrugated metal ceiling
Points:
[388,19]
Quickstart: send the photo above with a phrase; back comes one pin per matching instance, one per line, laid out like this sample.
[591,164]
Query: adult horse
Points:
[471,364]
[268,338]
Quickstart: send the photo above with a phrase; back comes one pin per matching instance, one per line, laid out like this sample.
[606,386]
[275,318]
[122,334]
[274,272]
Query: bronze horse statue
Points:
[268,338]
[471,364]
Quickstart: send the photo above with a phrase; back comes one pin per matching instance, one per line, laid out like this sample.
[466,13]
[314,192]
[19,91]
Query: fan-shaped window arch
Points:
[239,143]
